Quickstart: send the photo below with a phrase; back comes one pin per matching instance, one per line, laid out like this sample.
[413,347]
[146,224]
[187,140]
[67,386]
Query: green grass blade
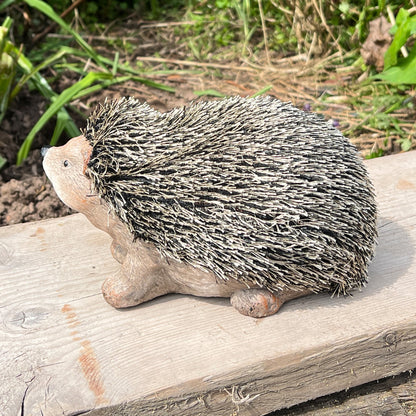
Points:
[48,11]
[64,98]
[7,74]
[119,80]
[153,84]
[44,88]
[7,67]
[210,93]
[4,31]
[262,91]
[115,64]
[32,71]
[101,86]
[128,70]
[61,120]
[3,161]
[6,3]
[40,82]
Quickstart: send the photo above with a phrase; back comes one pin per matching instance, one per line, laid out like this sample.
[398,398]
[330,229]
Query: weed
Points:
[12,60]
[383,109]
[397,69]
[8,66]
[302,26]
[375,153]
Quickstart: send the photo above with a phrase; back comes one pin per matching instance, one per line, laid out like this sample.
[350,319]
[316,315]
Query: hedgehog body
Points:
[250,189]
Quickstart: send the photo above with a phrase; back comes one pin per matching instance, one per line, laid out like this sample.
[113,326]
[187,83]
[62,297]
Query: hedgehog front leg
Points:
[258,303]
[140,278]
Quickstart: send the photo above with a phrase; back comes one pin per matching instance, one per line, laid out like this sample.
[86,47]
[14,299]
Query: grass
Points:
[8,57]
[387,111]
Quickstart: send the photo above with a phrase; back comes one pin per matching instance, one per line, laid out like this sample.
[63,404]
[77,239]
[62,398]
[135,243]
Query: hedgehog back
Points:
[250,189]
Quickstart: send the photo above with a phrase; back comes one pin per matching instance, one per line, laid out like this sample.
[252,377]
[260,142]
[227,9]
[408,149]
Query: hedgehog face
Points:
[65,167]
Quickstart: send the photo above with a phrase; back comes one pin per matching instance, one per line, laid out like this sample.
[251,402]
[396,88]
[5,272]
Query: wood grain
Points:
[63,350]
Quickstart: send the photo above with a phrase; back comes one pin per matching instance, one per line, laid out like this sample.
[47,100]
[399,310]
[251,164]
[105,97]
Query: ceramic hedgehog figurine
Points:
[248,198]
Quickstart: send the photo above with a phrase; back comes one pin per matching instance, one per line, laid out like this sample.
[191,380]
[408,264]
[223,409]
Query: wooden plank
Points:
[63,350]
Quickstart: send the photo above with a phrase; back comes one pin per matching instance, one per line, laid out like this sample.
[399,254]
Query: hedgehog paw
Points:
[119,292]
[256,303]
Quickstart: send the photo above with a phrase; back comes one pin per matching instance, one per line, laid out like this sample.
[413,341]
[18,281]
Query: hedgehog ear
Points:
[86,155]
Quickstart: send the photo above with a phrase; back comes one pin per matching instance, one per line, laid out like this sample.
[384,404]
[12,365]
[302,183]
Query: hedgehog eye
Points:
[66,163]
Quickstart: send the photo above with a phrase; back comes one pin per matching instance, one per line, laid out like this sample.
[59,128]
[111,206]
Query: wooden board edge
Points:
[273,384]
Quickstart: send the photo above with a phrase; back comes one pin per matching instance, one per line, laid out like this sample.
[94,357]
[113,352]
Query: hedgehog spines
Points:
[250,189]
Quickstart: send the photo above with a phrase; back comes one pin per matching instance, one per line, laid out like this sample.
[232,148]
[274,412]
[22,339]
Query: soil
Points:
[25,194]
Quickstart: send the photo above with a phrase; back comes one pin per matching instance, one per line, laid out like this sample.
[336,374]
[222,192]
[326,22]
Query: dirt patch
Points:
[25,194]
[29,199]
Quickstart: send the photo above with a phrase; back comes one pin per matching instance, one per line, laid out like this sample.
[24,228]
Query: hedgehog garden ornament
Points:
[250,199]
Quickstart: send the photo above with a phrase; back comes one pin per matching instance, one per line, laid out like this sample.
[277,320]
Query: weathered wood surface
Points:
[63,350]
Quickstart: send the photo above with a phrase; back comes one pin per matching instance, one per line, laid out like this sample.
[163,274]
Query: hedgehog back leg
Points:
[258,303]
